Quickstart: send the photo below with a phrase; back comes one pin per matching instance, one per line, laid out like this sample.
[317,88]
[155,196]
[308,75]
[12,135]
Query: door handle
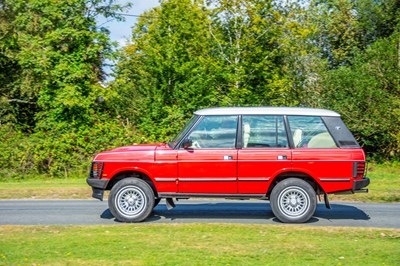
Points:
[228,157]
[282,157]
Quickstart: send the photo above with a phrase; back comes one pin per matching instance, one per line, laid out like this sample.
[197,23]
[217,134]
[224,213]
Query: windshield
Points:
[180,135]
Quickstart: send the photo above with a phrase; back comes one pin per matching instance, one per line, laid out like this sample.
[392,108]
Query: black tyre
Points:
[131,200]
[293,200]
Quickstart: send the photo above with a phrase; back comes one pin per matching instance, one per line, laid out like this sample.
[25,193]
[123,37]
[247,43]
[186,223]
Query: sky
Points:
[120,31]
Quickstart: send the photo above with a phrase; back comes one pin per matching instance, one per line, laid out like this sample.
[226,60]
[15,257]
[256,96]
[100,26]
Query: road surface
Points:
[84,212]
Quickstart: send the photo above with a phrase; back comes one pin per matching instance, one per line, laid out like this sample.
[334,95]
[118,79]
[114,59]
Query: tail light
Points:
[96,170]
[358,169]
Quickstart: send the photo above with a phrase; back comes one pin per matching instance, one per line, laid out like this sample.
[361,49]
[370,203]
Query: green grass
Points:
[384,187]
[197,244]
[42,188]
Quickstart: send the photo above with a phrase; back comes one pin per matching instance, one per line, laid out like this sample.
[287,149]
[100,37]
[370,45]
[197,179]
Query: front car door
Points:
[209,165]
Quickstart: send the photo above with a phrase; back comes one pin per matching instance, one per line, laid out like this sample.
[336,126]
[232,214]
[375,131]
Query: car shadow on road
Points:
[215,211]
[341,212]
[241,212]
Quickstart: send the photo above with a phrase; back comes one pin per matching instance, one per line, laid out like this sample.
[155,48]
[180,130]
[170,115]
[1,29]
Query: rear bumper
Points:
[98,187]
[359,184]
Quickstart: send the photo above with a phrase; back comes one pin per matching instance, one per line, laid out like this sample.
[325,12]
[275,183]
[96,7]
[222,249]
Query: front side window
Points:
[188,125]
[310,132]
[264,132]
[214,132]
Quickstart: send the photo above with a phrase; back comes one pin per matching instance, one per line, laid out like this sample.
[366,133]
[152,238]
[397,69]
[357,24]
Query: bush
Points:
[63,151]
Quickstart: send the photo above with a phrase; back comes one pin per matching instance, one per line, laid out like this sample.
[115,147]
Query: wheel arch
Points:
[129,174]
[300,175]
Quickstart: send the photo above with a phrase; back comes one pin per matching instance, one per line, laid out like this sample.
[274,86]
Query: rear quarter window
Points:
[342,135]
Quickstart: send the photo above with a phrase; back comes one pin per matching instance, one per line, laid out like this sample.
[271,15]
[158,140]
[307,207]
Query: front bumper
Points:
[98,187]
[359,184]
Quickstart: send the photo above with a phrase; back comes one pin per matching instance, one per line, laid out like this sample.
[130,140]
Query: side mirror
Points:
[187,143]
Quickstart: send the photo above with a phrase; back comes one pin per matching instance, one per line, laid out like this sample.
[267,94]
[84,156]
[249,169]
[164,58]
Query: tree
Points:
[186,55]
[51,57]
[57,52]
[14,107]
[250,51]
[166,72]
[367,93]
[356,69]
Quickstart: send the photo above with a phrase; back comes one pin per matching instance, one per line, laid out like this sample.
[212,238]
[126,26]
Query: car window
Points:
[264,132]
[188,125]
[310,132]
[214,132]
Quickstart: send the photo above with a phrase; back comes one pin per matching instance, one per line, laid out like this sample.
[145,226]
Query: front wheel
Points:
[131,200]
[293,200]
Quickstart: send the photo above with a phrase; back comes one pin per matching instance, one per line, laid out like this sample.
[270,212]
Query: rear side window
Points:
[264,131]
[340,132]
[310,132]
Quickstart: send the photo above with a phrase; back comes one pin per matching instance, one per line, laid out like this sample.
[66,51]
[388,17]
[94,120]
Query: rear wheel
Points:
[131,200]
[293,200]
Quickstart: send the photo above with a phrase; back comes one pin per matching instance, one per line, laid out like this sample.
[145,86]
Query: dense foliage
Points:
[340,54]
[184,55]
[51,57]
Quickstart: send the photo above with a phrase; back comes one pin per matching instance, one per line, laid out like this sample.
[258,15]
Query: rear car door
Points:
[265,152]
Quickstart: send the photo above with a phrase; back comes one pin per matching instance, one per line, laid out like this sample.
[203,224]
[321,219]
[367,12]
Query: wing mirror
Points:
[187,143]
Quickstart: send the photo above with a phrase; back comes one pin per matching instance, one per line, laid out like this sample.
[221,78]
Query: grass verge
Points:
[384,187]
[41,188]
[197,244]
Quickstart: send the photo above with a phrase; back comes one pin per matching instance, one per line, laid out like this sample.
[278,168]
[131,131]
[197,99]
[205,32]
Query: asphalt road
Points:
[84,212]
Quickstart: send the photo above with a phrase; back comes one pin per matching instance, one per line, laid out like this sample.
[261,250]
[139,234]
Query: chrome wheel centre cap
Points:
[293,201]
[131,201]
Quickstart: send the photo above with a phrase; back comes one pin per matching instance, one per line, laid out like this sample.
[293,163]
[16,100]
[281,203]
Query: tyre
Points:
[293,200]
[131,200]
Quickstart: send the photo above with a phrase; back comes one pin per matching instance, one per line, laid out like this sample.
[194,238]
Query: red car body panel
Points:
[333,171]
[258,167]
[229,171]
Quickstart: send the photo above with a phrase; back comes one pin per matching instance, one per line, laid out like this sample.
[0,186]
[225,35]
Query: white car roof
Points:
[266,111]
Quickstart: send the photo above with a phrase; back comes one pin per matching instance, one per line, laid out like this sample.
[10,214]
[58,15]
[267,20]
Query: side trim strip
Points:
[165,179]
[253,178]
[205,195]
[334,179]
[127,161]
[168,179]
[200,179]
[264,161]
[322,161]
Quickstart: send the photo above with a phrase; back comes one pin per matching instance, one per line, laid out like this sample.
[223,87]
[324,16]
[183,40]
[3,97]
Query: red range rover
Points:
[288,156]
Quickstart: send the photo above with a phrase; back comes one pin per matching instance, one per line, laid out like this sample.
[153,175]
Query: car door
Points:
[209,165]
[265,152]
